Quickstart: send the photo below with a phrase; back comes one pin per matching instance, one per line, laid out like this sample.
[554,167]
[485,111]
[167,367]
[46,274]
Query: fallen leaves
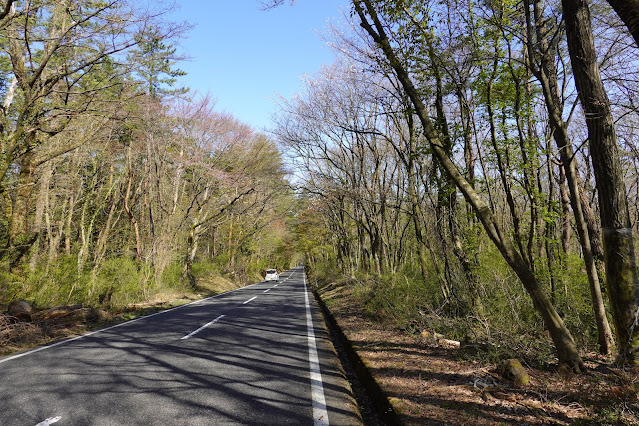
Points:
[427,381]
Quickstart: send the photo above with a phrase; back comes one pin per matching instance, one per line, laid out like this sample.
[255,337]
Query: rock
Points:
[511,369]
[20,309]
[96,315]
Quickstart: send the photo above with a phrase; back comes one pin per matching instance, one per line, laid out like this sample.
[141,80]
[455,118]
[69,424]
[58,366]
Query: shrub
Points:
[125,276]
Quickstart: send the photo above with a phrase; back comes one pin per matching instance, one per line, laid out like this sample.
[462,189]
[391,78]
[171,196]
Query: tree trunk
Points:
[20,236]
[566,227]
[628,11]
[416,213]
[564,343]
[191,250]
[621,270]
[129,211]
[547,75]
[43,196]
[67,225]
[593,228]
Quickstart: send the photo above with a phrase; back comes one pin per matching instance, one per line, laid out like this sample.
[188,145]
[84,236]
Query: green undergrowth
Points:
[134,291]
[506,326]
[116,285]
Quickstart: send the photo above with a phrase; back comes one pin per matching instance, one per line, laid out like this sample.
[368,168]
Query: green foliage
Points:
[574,302]
[173,277]
[59,283]
[11,285]
[56,284]
[510,326]
[156,59]
[397,298]
[125,276]
[204,268]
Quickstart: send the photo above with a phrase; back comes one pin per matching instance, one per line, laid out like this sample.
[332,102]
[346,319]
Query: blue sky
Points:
[244,57]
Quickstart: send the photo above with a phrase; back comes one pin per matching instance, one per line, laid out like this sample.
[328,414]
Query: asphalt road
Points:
[259,355]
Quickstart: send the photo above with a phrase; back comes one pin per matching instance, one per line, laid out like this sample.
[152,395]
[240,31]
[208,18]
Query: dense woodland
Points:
[115,182]
[472,167]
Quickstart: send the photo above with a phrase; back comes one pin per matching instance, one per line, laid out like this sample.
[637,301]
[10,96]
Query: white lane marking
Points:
[49,421]
[203,327]
[320,414]
[118,325]
[267,290]
[250,300]
[275,285]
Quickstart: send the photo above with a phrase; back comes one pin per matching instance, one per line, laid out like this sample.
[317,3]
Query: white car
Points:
[272,275]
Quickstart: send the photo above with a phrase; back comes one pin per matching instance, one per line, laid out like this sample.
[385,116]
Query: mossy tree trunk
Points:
[621,269]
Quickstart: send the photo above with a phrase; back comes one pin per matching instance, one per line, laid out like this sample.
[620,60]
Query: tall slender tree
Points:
[621,268]
[564,343]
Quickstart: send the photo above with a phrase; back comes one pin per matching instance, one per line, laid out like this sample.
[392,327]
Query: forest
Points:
[469,167]
[116,183]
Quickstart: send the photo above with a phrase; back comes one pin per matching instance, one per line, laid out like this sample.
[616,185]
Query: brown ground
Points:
[428,382]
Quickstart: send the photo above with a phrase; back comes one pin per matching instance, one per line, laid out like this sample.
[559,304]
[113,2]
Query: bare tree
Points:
[564,343]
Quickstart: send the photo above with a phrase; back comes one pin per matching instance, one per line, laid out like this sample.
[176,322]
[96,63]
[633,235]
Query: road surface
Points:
[259,355]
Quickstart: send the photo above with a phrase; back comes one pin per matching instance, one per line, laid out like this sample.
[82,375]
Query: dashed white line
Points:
[267,290]
[320,413]
[49,421]
[203,327]
[124,324]
[250,300]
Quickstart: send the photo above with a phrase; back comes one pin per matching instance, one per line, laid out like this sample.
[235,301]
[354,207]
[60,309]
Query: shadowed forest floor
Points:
[430,381]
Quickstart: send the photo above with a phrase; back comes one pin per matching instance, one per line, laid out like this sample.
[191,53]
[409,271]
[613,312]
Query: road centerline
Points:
[250,300]
[122,324]
[49,421]
[202,328]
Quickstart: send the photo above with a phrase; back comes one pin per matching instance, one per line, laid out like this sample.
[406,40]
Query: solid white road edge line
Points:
[320,414]
[62,342]
[203,327]
[250,300]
